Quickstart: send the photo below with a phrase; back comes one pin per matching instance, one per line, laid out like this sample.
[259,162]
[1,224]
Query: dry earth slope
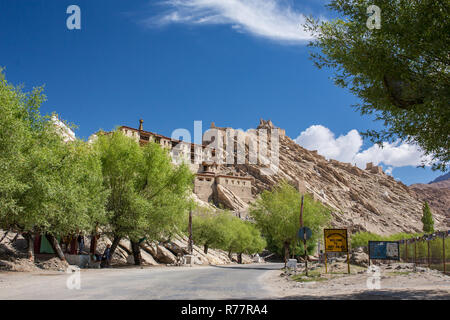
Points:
[437,194]
[362,200]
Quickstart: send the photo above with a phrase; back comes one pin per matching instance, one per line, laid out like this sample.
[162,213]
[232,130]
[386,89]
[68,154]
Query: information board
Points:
[335,240]
[384,250]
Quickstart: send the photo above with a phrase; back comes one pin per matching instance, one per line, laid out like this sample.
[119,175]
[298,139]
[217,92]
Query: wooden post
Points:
[406,251]
[326,258]
[348,262]
[443,251]
[348,257]
[304,237]
[415,254]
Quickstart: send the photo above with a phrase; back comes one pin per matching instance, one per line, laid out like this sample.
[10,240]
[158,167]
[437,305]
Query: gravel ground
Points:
[396,282]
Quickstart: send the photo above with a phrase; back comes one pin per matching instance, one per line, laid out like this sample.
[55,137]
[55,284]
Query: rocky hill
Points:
[361,200]
[444,177]
[437,194]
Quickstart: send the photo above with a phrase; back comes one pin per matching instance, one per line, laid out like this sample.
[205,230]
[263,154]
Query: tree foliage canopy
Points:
[427,219]
[277,214]
[148,195]
[222,230]
[47,185]
[400,71]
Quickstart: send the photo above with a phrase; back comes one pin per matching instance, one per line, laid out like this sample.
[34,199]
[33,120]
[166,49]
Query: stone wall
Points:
[204,186]
[241,187]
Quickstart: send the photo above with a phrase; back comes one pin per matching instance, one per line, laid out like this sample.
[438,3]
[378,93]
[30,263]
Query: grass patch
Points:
[312,276]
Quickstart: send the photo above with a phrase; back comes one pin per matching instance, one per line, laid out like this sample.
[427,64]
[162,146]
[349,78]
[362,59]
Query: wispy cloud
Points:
[272,19]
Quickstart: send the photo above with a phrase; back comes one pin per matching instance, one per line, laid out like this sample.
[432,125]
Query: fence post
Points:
[415,253]
[443,250]
[406,250]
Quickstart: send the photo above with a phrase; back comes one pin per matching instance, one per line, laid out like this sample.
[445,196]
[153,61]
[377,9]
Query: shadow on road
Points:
[379,295]
[251,267]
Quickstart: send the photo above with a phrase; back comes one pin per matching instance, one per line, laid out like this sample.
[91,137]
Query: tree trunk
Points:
[239,258]
[230,255]
[205,249]
[114,245]
[286,253]
[30,241]
[55,245]
[136,252]
[93,247]
[4,236]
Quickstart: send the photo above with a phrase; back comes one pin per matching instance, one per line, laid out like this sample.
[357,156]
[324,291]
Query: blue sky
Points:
[173,62]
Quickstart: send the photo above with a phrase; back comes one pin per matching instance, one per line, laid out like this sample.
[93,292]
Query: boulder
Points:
[360,258]
[160,253]
[176,247]
[230,200]
[147,259]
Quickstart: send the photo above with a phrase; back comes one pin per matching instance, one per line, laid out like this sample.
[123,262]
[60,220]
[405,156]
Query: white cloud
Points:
[389,170]
[347,148]
[273,19]
[395,154]
[320,138]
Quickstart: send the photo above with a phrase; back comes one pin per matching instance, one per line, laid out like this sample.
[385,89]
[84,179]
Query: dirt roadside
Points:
[397,282]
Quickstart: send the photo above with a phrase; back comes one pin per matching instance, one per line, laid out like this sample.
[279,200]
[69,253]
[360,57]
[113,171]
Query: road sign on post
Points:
[336,240]
[304,233]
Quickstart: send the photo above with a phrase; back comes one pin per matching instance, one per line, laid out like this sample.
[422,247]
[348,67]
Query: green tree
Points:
[400,71]
[277,214]
[222,230]
[18,116]
[244,238]
[148,195]
[253,241]
[50,187]
[211,229]
[427,219]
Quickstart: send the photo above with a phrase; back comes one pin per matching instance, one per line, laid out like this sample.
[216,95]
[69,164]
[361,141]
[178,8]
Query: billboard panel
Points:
[384,250]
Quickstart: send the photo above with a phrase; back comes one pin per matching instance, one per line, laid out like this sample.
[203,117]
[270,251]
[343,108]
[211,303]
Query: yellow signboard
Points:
[335,240]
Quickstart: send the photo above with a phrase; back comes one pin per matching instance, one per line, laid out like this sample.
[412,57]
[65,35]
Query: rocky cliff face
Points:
[361,200]
[437,194]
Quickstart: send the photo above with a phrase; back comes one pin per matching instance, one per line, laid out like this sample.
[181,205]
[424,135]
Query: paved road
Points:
[212,282]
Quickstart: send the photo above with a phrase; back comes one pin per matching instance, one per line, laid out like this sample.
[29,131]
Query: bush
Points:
[222,230]
[361,239]
[277,214]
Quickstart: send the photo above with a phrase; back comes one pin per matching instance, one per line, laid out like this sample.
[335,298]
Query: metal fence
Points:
[430,250]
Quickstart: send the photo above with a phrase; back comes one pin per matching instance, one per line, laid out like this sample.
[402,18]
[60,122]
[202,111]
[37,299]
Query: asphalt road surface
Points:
[209,282]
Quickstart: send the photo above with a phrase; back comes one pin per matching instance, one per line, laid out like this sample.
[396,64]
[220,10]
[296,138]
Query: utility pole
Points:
[190,232]
[304,237]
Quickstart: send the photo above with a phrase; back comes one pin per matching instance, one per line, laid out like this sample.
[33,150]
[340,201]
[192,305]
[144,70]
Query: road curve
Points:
[209,282]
